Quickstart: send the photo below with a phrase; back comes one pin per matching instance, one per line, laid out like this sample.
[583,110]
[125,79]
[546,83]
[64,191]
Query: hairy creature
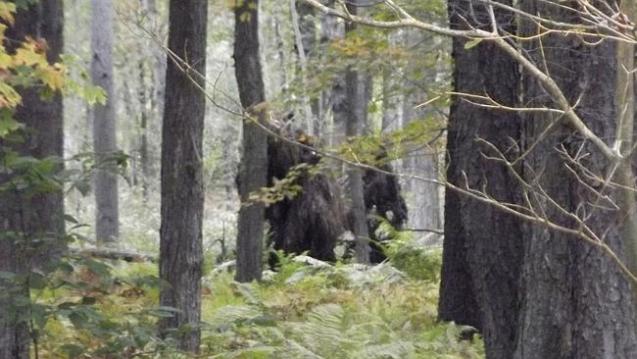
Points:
[383,202]
[312,220]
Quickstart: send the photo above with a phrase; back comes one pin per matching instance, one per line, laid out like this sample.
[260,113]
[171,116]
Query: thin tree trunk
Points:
[309,34]
[427,195]
[154,71]
[104,123]
[146,113]
[334,98]
[280,44]
[392,96]
[482,249]
[182,190]
[303,36]
[356,90]
[32,219]
[330,29]
[254,161]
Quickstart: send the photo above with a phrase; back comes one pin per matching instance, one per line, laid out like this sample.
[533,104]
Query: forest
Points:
[334,179]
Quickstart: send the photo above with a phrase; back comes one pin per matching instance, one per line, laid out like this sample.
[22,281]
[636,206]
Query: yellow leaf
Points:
[52,76]
[28,57]
[9,97]
[472,43]
[3,29]
[31,53]
[6,12]
[5,60]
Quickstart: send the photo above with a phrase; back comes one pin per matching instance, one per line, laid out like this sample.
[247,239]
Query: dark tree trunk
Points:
[182,197]
[482,249]
[356,98]
[575,302]
[37,222]
[254,161]
[104,123]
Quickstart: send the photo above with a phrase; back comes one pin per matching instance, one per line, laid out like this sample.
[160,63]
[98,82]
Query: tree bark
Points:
[145,114]
[393,86]
[356,92]
[424,202]
[182,190]
[626,116]
[329,29]
[482,248]
[152,73]
[304,35]
[36,222]
[334,98]
[104,123]
[309,36]
[575,301]
[254,162]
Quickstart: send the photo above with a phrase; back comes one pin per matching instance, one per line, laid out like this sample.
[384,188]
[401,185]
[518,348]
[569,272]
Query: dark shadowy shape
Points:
[383,201]
[312,220]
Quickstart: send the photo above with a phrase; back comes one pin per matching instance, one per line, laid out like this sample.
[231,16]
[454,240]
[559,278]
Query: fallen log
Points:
[104,253]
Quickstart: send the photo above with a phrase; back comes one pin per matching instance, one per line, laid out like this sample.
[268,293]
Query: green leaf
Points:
[72,350]
[8,124]
[472,43]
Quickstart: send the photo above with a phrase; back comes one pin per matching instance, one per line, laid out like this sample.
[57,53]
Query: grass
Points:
[344,311]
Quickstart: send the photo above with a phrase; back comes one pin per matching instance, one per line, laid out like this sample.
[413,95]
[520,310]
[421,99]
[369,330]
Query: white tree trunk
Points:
[104,123]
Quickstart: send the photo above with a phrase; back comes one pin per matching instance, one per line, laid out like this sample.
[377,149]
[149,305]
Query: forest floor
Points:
[109,310]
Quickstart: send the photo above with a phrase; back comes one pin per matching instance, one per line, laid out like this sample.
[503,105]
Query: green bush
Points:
[418,263]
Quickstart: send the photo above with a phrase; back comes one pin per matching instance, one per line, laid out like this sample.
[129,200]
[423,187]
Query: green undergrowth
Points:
[341,311]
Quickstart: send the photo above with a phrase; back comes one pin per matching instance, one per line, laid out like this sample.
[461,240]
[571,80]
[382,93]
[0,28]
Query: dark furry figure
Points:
[311,221]
[382,199]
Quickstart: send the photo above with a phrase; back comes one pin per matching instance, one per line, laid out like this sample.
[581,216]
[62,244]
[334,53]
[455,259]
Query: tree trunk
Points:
[426,195]
[575,302]
[334,98]
[356,91]
[392,91]
[37,222]
[304,35]
[104,123]
[182,192]
[329,98]
[309,34]
[152,69]
[254,161]
[424,202]
[626,115]
[482,248]
[145,114]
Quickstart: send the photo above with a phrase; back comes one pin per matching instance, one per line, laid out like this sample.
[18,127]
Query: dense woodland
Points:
[318,179]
